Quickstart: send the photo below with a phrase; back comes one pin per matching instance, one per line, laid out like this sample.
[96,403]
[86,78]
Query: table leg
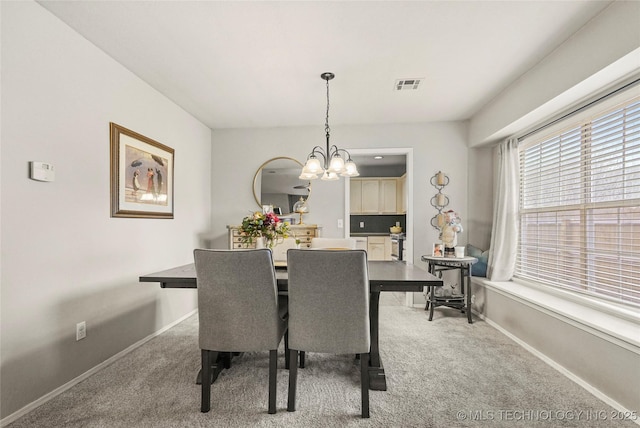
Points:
[432,290]
[462,287]
[468,295]
[377,380]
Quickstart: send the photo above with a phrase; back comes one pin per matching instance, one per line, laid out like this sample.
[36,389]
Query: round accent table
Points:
[460,301]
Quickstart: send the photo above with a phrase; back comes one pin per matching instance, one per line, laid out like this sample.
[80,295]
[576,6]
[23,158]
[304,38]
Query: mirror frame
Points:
[259,171]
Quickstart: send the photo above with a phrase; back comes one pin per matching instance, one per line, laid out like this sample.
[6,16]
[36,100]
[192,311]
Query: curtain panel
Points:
[504,234]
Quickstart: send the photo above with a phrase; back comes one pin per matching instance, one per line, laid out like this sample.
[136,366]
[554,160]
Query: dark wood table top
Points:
[383,276]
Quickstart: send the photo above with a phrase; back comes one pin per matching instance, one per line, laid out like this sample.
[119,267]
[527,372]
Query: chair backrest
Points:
[329,301]
[237,300]
[334,243]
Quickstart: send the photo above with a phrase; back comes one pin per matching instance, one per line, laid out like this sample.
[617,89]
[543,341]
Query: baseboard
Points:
[568,374]
[40,401]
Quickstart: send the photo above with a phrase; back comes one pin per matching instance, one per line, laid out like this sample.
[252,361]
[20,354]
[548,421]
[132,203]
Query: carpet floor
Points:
[444,373]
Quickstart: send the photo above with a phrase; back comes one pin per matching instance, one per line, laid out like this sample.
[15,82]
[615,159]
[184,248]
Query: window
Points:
[580,206]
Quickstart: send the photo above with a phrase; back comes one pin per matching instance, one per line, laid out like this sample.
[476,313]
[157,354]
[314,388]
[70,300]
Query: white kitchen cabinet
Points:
[370,196]
[374,196]
[401,194]
[387,202]
[355,197]
[379,248]
[361,243]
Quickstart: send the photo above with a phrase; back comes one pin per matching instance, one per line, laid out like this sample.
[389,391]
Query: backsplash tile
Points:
[376,223]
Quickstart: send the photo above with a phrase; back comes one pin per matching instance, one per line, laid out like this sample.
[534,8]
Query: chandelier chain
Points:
[327,130]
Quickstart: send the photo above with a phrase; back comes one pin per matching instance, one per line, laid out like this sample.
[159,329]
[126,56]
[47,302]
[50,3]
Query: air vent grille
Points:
[408,84]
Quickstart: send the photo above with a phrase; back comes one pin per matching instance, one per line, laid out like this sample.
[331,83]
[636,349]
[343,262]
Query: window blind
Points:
[580,206]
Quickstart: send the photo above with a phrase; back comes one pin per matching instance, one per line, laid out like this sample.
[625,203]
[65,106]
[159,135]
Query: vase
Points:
[260,242]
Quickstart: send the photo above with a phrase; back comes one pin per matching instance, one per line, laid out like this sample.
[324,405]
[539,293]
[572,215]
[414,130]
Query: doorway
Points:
[408,158]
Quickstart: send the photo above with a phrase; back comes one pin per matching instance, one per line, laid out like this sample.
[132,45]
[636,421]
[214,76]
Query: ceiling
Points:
[243,64]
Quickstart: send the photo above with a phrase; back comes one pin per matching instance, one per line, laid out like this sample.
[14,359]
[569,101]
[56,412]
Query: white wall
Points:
[239,152]
[64,260]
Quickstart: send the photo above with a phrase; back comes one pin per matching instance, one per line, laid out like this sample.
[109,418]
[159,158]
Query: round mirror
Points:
[276,184]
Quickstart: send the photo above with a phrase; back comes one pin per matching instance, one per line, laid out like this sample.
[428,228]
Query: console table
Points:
[303,232]
[460,301]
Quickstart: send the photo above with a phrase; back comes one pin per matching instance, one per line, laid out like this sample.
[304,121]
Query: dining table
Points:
[384,276]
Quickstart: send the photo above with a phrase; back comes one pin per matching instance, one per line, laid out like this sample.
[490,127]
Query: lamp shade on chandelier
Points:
[333,164]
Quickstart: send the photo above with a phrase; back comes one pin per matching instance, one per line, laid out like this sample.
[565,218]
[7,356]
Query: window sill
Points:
[615,323]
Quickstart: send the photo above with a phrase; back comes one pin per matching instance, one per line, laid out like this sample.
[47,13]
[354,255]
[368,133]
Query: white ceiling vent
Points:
[407,84]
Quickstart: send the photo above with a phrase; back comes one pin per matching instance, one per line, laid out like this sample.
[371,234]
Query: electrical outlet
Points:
[340,223]
[81,330]
[362,225]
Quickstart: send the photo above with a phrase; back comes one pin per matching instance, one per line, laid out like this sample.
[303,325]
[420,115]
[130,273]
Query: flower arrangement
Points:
[267,226]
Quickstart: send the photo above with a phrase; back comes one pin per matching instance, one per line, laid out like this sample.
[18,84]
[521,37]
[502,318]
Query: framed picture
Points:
[438,250]
[141,175]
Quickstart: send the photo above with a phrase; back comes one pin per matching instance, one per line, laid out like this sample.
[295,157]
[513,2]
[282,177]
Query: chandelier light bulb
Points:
[350,169]
[329,176]
[312,166]
[337,164]
[307,176]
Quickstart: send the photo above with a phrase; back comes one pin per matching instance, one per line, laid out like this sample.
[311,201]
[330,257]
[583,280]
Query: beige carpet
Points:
[444,373]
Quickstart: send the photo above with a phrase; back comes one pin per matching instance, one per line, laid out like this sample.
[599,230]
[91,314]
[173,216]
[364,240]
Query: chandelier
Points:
[332,163]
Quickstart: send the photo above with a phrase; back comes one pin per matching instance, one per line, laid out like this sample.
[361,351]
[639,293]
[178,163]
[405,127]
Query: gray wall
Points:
[64,260]
[436,146]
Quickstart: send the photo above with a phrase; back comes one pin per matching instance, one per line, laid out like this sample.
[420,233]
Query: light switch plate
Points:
[41,171]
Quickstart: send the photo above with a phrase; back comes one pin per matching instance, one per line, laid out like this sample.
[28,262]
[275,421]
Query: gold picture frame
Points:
[141,175]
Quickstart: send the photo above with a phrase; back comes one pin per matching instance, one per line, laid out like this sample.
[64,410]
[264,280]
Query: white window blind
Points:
[580,206]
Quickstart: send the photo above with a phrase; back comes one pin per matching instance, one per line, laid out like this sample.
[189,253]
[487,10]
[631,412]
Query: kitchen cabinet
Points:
[370,196]
[379,248]
[374,195]
[387,202]
[401,194]
[361,243]
[355,197]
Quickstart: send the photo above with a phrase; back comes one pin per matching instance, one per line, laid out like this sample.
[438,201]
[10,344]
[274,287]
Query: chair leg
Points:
[287,357]
[205,405]
[273,379]
[226,359]
[293,378]
[302,359]
[364,383]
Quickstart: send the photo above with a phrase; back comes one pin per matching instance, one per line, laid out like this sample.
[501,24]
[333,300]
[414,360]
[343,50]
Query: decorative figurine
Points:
[449,232]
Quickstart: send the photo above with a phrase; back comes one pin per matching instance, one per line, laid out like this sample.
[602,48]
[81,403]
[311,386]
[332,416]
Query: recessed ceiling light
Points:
[377,157]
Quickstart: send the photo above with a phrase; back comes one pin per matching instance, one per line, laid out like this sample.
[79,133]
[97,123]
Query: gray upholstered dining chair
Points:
[329,310]
[238,310]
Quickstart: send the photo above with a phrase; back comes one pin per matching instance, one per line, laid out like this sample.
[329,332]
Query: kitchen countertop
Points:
[355,235]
